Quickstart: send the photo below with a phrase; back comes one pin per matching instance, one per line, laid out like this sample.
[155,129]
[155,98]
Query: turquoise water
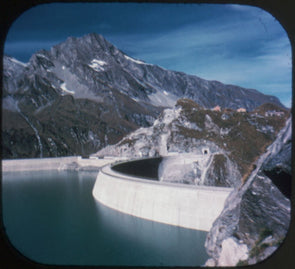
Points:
[51,217]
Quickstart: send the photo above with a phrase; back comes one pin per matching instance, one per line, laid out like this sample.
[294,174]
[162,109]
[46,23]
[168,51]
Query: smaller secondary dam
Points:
[59,163]
[188,206]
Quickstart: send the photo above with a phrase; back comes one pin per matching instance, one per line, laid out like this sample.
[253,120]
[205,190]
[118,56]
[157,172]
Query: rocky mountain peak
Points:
[97,39]
[91,41]
[83,49]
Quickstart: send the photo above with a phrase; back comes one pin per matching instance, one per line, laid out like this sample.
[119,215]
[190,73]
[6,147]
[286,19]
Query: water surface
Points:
[51,217]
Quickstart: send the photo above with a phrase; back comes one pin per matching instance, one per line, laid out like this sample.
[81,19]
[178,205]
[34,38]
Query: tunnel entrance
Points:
[146,168]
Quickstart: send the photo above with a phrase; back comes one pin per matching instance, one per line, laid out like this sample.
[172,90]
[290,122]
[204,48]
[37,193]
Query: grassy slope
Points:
[244,141]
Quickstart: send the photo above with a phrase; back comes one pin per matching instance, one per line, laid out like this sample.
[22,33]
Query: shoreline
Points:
[192,207]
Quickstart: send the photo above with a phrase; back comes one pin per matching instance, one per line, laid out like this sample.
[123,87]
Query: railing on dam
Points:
[188,206]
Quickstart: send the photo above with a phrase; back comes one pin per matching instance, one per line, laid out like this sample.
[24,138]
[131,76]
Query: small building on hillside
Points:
[241,109]
[217,108]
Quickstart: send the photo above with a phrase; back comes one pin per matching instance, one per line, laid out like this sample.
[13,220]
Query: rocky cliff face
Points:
[256,216]
[201,146]
[85,93]
[207,170]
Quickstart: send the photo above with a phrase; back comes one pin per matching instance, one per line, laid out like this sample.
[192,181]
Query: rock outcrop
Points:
[205,169]
[201,146]
[256,216]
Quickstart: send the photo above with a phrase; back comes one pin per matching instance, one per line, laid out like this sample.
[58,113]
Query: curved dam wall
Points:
[193,207]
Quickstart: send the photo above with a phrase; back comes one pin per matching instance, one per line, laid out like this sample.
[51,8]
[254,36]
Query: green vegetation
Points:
[244,135]
[188,104]
[219,164]
[259,246]
[242,263]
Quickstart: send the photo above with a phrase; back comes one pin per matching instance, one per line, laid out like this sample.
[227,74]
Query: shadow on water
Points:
[51,217]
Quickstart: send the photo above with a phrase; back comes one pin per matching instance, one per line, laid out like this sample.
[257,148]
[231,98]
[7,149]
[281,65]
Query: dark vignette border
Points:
[282,10]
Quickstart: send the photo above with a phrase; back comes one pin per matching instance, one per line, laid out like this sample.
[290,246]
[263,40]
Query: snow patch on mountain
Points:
[18,62]
[41,55]
[133,60]
[97,65]
[64,88]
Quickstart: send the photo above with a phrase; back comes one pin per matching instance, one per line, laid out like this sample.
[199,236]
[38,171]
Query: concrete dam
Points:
[132,188]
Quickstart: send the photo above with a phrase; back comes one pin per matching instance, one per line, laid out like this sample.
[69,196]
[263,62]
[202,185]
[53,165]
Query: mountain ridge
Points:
[94,45]
[90,71]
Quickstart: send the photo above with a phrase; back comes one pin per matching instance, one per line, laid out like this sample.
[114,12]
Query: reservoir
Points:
[51,217]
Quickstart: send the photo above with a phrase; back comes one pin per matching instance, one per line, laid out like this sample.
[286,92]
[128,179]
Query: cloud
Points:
[235,44]
[208,36]
[248,53]
[24,49]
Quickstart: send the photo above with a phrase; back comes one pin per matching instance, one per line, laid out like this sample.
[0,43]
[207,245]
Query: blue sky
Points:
[234,44]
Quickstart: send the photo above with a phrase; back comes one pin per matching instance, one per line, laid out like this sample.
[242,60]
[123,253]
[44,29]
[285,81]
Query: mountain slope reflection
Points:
[159,244]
